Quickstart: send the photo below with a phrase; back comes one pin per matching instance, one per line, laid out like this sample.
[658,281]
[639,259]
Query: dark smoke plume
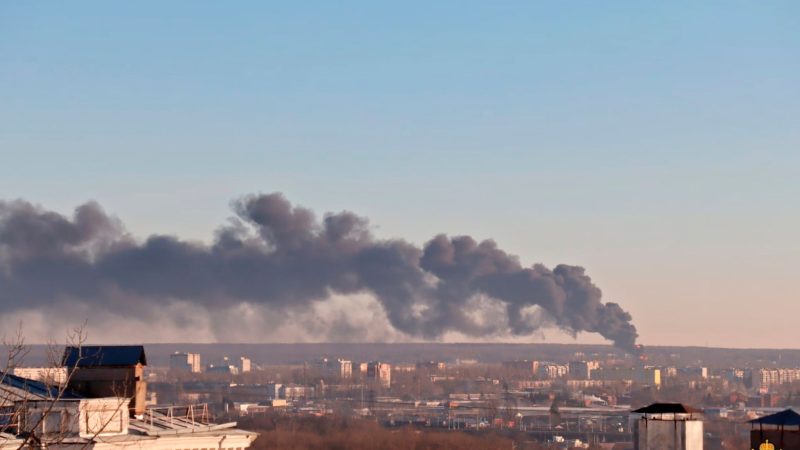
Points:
[275,254]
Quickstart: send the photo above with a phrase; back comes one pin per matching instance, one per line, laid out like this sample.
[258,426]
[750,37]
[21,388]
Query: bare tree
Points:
[35,412]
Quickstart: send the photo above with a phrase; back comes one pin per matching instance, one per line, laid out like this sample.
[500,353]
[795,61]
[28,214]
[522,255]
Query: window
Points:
[52,423]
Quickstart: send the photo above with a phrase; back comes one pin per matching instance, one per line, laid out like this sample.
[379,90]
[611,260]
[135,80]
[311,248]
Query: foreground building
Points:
[99,409]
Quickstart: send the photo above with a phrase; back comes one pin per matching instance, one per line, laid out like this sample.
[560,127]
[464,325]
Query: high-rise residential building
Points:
[552,371]
[185,362]
[765,379]
[244,364]
[525,366]
[582,370]
[274,390]
[380,372]
[225,366]
[335,368]
[695,372]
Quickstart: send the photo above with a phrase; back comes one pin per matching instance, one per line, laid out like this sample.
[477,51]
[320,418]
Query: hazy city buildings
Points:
[431,366]
[185,362]
[380,372]
[244,364]
[274,390]
[643,375]
[695,372]
[552,371]
[764,379]
[222,369]
[335,368]
[582,370]
[591,395]
[522,366]
[294,392]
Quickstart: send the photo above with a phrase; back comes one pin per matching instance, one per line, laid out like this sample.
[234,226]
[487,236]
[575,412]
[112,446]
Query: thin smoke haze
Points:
[273,256]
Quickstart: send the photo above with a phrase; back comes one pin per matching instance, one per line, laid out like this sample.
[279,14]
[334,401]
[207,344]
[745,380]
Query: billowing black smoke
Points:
[278,255]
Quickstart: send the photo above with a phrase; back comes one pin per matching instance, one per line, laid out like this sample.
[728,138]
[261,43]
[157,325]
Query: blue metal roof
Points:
[785,417]
[35,387]
[104,356]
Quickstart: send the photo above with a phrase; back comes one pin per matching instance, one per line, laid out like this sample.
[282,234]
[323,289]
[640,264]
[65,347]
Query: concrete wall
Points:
[86,418]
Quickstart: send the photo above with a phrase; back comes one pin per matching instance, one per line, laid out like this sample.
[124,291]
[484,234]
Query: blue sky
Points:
[655,143]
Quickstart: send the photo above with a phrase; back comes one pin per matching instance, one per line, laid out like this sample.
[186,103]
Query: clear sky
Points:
[655,143]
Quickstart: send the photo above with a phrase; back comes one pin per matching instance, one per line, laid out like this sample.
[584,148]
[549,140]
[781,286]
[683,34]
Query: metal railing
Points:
[10,422]
[178,416]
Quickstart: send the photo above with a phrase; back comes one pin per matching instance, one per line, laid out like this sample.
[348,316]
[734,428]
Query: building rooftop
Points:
[667,408]
[104,356]
[36,389]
